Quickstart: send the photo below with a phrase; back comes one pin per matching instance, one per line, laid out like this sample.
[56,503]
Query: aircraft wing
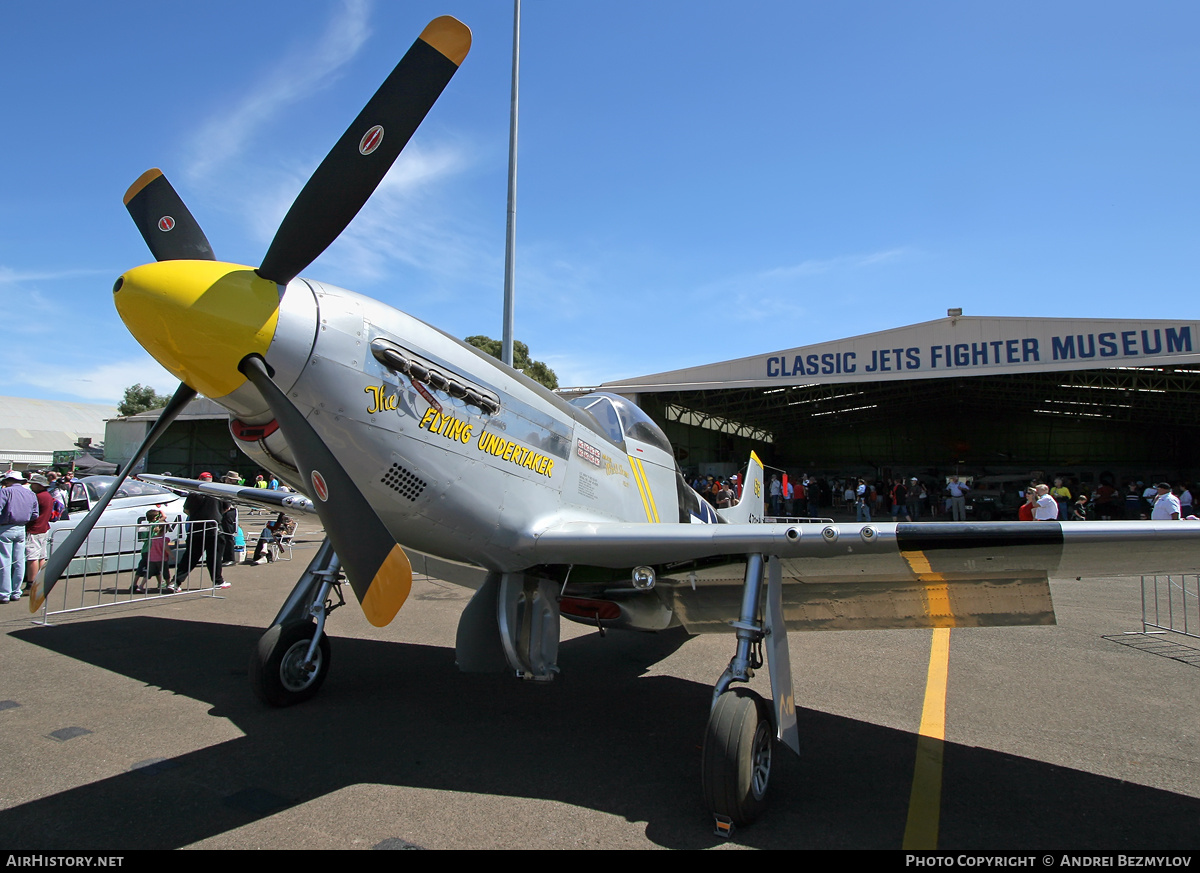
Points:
[284,501]
[875,576]
[910,551]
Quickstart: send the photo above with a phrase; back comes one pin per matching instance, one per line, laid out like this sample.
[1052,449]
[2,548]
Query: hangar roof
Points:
[32,430]
[198,408]
[951,347]
[1121,370]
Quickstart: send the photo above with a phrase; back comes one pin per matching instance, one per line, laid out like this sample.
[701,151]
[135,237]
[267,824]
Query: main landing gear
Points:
[742,727]
[291,660]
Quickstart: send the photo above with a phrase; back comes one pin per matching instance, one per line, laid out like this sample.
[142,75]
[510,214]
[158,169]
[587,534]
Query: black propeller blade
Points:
[357,164]
[61,557]
[378,569]
[164,221]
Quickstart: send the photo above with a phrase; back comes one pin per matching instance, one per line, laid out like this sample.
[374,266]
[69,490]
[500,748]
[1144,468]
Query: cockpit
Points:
[620,419]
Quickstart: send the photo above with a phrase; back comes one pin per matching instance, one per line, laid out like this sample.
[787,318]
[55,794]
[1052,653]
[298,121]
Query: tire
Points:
[737,756]
[275,674]
[987,512]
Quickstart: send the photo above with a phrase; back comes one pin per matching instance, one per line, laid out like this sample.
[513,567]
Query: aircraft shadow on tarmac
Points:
[602,736]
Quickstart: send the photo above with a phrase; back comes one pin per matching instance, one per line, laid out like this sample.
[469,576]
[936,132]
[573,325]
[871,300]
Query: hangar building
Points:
[31,431]
[197,440]
[959,394]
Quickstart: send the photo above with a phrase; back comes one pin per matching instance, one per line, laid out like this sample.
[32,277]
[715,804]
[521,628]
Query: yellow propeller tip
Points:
[389,589]
[449,36]
[142,181]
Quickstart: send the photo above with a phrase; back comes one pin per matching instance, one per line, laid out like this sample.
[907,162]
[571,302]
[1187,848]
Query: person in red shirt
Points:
[1025,513]
[37,532]
[1106,505]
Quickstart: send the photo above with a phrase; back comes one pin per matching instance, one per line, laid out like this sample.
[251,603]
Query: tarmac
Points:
[133,727]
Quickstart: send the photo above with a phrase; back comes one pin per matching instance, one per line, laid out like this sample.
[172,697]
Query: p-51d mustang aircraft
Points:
[396,433]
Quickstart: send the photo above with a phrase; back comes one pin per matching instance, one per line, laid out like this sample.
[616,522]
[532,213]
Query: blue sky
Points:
[698,181]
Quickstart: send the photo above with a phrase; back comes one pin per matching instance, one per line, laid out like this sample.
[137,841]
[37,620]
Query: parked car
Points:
[114,543]
[996,498]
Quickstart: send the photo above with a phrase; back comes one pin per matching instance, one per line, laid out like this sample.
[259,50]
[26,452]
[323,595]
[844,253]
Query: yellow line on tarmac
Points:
[925,802]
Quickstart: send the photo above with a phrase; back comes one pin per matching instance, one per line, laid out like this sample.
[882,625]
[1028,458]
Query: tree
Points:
[139,398]
[535,370]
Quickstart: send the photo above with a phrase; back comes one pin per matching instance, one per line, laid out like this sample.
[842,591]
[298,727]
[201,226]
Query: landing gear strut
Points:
[291,660]
[742,727]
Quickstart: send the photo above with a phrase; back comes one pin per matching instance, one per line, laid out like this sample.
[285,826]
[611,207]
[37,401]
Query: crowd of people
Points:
[31,502]
[28,506]
[1159,501]
[214,545]
[915,499]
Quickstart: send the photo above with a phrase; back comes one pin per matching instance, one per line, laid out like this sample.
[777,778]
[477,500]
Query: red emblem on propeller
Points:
[319,486]
[166,223]
[371,140]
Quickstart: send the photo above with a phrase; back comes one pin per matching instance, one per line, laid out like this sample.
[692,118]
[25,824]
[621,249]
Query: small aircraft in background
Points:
[410,445]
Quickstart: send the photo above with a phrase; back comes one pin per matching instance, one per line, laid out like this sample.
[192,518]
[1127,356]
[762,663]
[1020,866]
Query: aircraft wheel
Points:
[277,676]
[737,756]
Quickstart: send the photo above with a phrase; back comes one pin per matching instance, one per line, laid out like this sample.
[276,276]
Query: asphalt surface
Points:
[134,727]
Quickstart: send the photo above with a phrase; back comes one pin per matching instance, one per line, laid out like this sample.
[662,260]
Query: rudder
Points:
[751,507]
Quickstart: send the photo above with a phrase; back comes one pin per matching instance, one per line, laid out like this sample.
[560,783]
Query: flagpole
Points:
[506,351]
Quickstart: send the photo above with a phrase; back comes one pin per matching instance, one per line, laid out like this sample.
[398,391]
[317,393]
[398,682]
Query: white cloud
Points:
[105,383]
[409,221]
[814,267]
[784,293]
[33,311]
[297,75]
[9,276]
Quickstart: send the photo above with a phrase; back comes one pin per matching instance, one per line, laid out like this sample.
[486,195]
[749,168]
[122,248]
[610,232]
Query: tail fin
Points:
[750,507]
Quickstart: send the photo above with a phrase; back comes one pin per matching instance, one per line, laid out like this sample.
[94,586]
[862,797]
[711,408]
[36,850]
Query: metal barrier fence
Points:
[111,567]
[1171,603]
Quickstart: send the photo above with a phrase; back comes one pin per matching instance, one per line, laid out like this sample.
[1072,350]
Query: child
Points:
[154,519]
[160,555]
[156,562]
[1079,511]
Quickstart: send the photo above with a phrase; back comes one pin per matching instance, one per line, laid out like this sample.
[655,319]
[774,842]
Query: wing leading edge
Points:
[931,550]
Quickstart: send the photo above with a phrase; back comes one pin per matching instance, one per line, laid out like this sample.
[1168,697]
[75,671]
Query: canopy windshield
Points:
[621,420]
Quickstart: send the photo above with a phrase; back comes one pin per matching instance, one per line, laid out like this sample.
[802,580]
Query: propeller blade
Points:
[378,570]
[61,557]
[164,221]
[357,164]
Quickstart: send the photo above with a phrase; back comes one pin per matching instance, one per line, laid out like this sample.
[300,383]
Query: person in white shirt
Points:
[1047,507]
[1166,504]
